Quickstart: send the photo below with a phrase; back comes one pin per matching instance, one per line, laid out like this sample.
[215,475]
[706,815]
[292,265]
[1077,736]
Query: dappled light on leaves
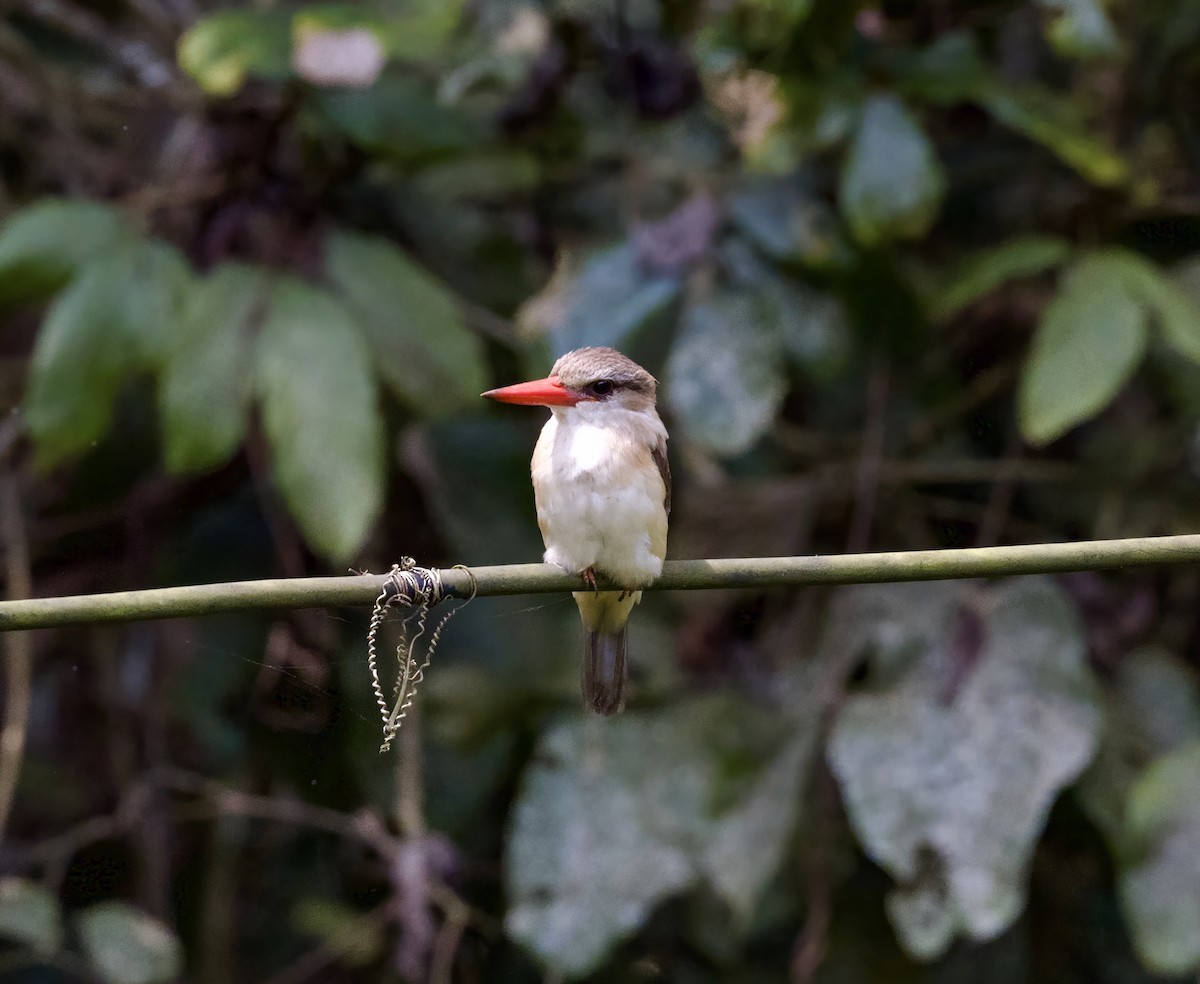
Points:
[950,759]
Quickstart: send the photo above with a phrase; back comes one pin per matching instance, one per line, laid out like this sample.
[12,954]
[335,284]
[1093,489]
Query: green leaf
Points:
[126,946]
[604,300]
[1175,312]
[221,50]
[398,116]
[1153,708]
[321,416]
[612,820]
[414,30]
[30,915]
[205,383]
[724,378]
[1160,886]
[892,183]
[1055,124]
[1141,792]
[116,319]
[1088,344]
[981,709]
[420,341]
[1081,29]
[45,244]
[948,71]
[979,275]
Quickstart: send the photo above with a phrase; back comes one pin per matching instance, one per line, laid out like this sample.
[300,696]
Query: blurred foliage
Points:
[913,275]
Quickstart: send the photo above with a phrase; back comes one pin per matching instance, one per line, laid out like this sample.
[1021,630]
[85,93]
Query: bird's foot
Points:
[624,594]
[589,578]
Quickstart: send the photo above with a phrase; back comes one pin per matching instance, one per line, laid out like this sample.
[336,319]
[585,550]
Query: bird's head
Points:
[589,377]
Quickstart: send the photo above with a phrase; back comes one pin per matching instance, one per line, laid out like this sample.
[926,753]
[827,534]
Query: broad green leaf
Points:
[126,946]
[413,30]
[398,116]
[115,320]
[612,819]
[1160,884]
[205,383]
[221,50]
[951,758]
[604,300]
[30,915]
[725,378]
[892,183]
[421,345]
[321,416]
[787,224]
[1081,28]
[1053,122]
[982,273]
[45,244]
[1089,342]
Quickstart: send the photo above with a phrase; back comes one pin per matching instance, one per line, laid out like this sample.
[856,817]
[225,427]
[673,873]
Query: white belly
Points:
[600,502]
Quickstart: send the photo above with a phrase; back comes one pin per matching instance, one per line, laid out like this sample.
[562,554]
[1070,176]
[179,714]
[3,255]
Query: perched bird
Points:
[603,491]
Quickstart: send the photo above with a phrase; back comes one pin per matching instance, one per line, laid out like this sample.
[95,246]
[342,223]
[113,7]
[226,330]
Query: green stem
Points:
[678,575]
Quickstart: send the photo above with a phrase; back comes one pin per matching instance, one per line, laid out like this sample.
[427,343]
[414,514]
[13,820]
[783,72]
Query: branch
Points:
[678,575]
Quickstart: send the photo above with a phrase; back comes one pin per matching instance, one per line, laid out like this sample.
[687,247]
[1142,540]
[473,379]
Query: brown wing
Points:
[659,454]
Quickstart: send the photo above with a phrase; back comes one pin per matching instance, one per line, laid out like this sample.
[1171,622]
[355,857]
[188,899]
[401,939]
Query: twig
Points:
[678,575]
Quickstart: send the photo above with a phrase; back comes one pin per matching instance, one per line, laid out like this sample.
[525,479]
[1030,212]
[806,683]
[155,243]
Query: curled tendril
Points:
[419,589]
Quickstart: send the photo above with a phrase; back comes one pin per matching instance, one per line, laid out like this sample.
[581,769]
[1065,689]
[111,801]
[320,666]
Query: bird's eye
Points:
[602,387]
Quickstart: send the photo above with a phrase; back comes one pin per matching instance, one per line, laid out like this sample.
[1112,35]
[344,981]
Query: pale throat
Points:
[592,435]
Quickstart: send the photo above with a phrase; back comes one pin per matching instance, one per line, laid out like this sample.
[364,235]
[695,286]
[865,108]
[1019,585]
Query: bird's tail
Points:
[605,670]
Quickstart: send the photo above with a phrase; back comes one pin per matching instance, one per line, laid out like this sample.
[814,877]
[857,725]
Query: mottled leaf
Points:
[415,326]
[603,300]
[950,761]
[30,915]
[221,50]
[45,244]
[124,945]
[1160,883]
[1091,337]
[724,378]
[892,183]
[117,318]
[321,416]
[613,818]
[205,383]
[982,273]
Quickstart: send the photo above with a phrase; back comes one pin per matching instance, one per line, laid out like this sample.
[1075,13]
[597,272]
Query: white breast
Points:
[600,496]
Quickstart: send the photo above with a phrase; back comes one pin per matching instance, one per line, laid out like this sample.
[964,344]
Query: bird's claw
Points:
[589,578]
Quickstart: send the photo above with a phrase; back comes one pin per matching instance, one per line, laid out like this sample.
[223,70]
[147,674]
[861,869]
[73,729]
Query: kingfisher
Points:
[602,487]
